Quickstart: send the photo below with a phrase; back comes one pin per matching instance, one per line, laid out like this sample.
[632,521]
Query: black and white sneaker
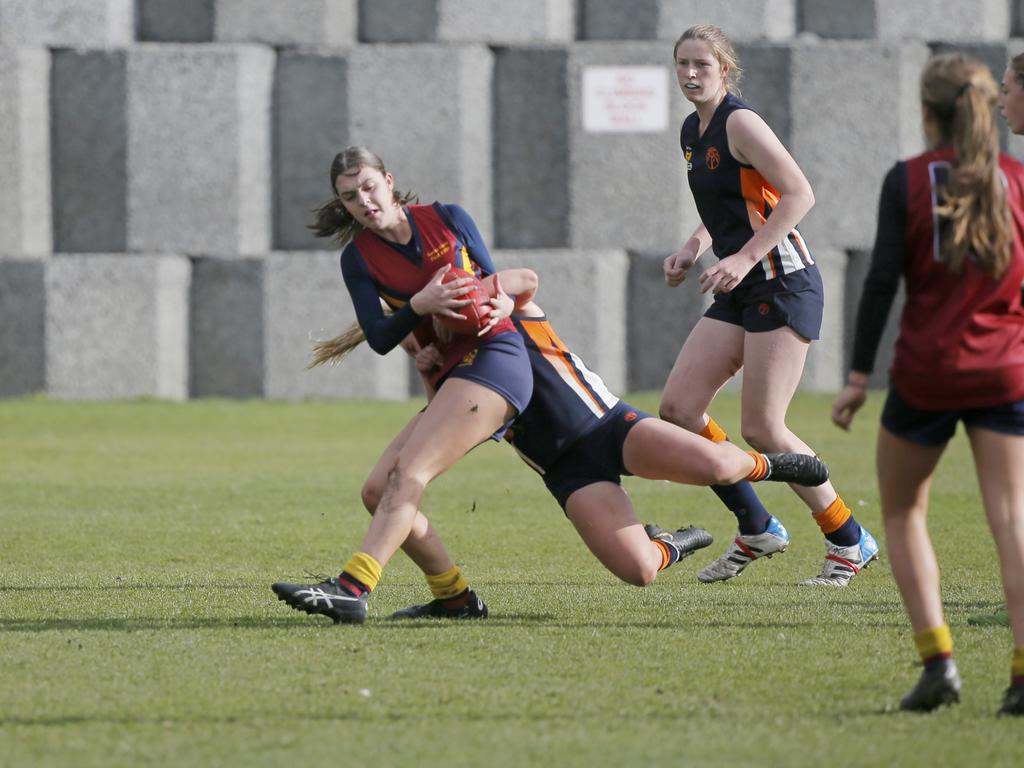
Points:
[328,598]
[939,685]
[468,605]
[799,468]
[686,540]
[1013,701]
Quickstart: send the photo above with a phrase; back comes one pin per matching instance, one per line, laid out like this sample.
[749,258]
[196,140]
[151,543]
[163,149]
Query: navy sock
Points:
[846,535]
[742,501]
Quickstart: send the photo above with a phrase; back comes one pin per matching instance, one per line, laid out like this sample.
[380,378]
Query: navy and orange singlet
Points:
[569,400]
[734,199]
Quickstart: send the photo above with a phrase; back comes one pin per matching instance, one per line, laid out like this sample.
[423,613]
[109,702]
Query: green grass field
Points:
[138,542]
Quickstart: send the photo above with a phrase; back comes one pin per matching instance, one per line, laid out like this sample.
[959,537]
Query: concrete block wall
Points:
[161,158]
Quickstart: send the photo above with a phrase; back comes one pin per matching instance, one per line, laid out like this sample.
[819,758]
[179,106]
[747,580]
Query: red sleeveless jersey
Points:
[397,276]
[961,342]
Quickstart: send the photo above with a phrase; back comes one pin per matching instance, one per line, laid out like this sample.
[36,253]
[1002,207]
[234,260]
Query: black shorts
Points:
[796,300]
[934,428]
[596,456]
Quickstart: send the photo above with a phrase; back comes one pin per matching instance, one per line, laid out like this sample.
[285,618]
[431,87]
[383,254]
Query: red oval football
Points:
[475,315]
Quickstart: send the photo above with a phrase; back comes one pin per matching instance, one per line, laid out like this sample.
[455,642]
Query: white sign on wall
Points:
[625,99]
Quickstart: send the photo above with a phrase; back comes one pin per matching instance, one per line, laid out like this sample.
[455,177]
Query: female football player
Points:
[950,223]
[399,254]
[767,306]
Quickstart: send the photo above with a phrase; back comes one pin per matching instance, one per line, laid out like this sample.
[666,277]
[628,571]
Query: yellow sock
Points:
[933,643]
[833,517]
[1017,665]
[713,432]
[365,568]
[448,584]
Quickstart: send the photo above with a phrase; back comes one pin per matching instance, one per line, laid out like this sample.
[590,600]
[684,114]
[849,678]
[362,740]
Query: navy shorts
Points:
[796,300]
[596,456]
[502,364]
[934,428]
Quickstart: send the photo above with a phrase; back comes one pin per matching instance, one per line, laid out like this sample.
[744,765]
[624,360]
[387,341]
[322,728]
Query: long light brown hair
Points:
[961,94]
[331,219]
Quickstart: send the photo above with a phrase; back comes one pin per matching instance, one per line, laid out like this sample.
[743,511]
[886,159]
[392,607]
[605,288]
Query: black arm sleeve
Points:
[883,278]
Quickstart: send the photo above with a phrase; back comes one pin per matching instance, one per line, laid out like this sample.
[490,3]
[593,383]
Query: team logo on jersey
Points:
[439,252]
[688,156]
[712,158]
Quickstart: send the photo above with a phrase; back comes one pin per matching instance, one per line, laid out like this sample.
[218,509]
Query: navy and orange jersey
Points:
[376,269]
[961,340]
[569,400]
[733,199]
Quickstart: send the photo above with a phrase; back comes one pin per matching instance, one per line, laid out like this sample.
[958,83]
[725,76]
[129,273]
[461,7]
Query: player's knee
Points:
[681,416]
[760,436]
[639,574]
[372,490]
[405,480]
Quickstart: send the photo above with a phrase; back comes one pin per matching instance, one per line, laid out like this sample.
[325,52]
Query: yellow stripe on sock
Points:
[448,584]
[833,517]
[365,568]
[713,432]
[934,642]
[1017,665]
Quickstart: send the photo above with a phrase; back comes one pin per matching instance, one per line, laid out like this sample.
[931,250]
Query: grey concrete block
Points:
[948,20]
[856,270]
[668,19]
[311,119]
[116,326]
[473,21]
[60,23]
[766,83]
[823,369]
[199,122]
[443,91]
[22,325]
[89,151]
[434,129]
[226,355]
[176,21]
[297,22]
[868,129]
[25,204]
[566,181]
[584,293]
[163,147]
[659,319]
[306,299]
[253,321]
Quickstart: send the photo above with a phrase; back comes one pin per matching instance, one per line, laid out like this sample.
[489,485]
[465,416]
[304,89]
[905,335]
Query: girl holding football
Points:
[399,254]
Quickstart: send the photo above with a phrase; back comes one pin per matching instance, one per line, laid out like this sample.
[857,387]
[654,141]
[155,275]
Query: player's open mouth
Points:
[691,86]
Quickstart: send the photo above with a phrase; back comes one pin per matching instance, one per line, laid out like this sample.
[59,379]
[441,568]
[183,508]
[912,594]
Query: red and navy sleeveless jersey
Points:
[961,341]
[569,400]
[398,272]
[733,199]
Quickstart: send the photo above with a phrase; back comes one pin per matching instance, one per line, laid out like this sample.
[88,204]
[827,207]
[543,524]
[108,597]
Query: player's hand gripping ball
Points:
[474,315]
